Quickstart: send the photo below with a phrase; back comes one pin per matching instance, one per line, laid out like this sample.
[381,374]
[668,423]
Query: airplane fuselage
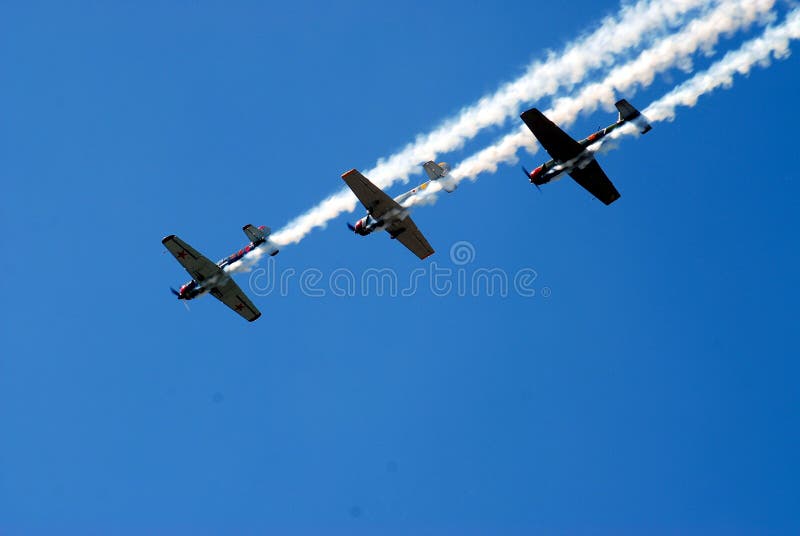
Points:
[553,169]
[368,224]
[222,263]
[577,158]
[193,289]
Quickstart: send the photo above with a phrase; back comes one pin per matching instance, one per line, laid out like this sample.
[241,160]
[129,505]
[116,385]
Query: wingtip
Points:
[348,173]
[255,317]
[531,111]
[170,237]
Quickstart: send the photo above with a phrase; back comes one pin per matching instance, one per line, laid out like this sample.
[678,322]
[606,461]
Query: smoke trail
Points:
[774,42]
[635,24]
[670,51]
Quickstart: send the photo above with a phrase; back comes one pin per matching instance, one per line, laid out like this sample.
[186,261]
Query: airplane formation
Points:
[575,158]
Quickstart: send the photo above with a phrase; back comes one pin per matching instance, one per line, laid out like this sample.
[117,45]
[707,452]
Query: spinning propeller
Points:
[178,295]
[528,174]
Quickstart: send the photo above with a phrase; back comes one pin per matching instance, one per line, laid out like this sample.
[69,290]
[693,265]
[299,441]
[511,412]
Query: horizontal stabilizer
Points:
[627,112]
[448,185]
[256,234]
[436,171]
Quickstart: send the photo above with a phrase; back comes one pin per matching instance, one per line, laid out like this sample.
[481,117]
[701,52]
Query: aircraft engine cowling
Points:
[361,228]
[535,174]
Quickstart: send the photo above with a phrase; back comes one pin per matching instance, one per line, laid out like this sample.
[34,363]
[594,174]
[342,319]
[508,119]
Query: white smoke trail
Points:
[774,42]
[675,49]
[636,24]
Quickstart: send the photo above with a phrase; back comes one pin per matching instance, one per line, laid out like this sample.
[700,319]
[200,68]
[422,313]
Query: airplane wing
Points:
[556,142]
[594,179]
[379,204]
[198,266]
[231,295]
[373,198]
[409,235]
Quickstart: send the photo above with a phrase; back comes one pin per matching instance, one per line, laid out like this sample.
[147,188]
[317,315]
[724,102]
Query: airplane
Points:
[574,157]
[391,214]
[211,278]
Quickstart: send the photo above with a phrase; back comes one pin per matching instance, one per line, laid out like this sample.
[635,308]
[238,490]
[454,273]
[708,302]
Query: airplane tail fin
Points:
[256,234]
[627,112]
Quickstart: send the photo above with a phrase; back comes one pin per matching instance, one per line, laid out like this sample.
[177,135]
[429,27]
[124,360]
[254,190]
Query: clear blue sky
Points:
[653,391]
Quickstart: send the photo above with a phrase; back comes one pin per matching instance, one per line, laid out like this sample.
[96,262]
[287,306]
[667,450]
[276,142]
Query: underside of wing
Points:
[593,178]
[407,233]
[375,200]
[231,295]
[198,266]
[556,142]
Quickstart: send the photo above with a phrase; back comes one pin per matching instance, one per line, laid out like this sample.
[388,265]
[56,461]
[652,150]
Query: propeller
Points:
[178,295]
[528,174]
[350,226]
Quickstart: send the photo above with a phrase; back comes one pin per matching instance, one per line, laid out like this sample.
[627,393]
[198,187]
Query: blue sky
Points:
[654,389]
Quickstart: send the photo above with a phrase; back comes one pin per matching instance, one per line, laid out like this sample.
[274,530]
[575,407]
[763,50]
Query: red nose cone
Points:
[536,172]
